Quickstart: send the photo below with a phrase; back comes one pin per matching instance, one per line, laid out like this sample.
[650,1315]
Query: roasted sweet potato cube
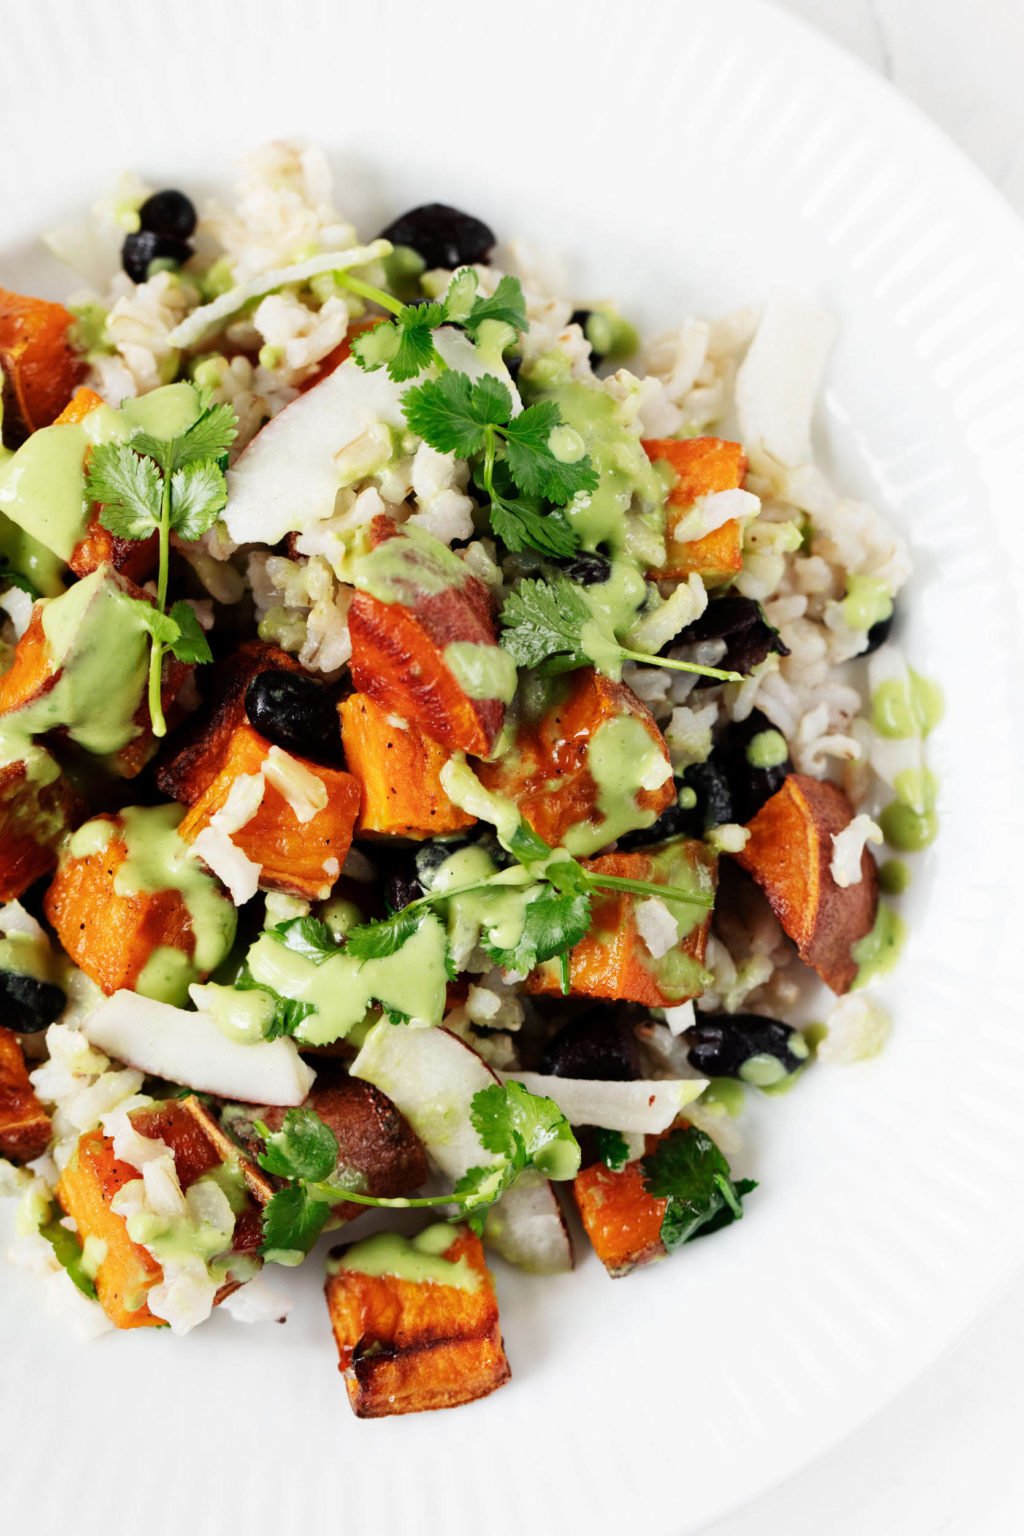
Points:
[94,1176]
[789,854]
[114,936]
[301,857]
[135,558]
[40,369]
[622,1221]
[546,772]
[37,807]
[399,647]
[200,747]
[399,774]
[702,466]
[612,960]
[24,1123]
[406,1346]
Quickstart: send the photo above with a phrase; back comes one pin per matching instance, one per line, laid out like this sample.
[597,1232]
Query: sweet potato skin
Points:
[111,937]
[399,774]
[292,855]
[33,820]
[24,1124]
[612,961]
[94,1176]
[398,658]
[703,465]
[622,1221]
[409,1347]
[40,369]
[199,749]
[789,854]
[546,771]
[31,673]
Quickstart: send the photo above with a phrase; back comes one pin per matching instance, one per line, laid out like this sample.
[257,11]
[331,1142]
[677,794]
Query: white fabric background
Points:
[946,1458]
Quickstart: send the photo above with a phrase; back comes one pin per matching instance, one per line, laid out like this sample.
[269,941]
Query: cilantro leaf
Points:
[612,1148]
[552,924]
[690,1171]
[544,620]
[528,846]
[198,495]
[376,941]
[480,1188]
[525,1129]
[68,1253]
[533,465]
[16,579]
[161,626]
[209,437]
[506,303]
[461,295]
[304,1147]
[129,487]
[452,413]
[190,643]
[405,345]
[292,1221]
[308,936]
[520,526]
[289,1012]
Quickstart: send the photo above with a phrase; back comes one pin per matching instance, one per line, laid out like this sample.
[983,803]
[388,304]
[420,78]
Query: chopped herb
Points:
[155,486]
[550,625]
[552,925]
[612,1148]
[308,936]
[690,1172]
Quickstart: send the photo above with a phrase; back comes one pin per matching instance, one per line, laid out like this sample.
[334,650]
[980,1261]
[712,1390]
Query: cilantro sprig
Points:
[690,1171]
[515,464]
[161,486]
[548,624]
[522,1129]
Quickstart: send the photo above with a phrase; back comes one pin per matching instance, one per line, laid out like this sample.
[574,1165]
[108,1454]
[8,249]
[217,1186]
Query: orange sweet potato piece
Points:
[612,960]
[31,672]
[702,465]
[34,817]
[24,1123]
[109,936]
[398,656]
[39,367]
[78,407]
[622,1221]
[340,353]
[410,1346]
[546,772]
[93,1177]
[399,773]
[789,854]
[292,854]
[201,747]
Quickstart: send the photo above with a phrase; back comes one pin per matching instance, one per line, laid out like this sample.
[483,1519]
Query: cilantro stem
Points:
[369,291]
[156,710]
[334,1193]
[682,666]
[649,888]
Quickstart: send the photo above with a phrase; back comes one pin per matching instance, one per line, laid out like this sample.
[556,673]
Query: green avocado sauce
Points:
[767,749]
[868,601]
[27,954]
[408,568]
[413,982]
[878,951]
[417,1259]
[158,860]
[21,553]
[902,708]
[482,671]
[622,759]
[894,877]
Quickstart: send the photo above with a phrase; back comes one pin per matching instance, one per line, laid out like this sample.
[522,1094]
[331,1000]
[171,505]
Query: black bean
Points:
[710,784]
[721,1045]
[673,822]
[169,213]
[741,623]
[513,364]
[588,568]
[401,887]
[443,236]
[878,634]
[296,713]
[749,785]
[599,1045]
[145,246]
[26,1005]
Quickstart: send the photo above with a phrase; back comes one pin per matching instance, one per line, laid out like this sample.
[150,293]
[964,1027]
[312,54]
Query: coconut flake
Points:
[656,926]
[234,869]
[713,511]
[303,790]
[681,1018]
[779,378]
[257,1302]
[857,1029]
[848,849]
[644,1106]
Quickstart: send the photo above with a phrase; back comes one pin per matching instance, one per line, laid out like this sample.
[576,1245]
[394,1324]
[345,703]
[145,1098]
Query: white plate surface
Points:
[686,157]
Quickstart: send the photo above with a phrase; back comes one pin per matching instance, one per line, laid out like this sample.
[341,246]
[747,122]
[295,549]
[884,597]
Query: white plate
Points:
[685,157]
